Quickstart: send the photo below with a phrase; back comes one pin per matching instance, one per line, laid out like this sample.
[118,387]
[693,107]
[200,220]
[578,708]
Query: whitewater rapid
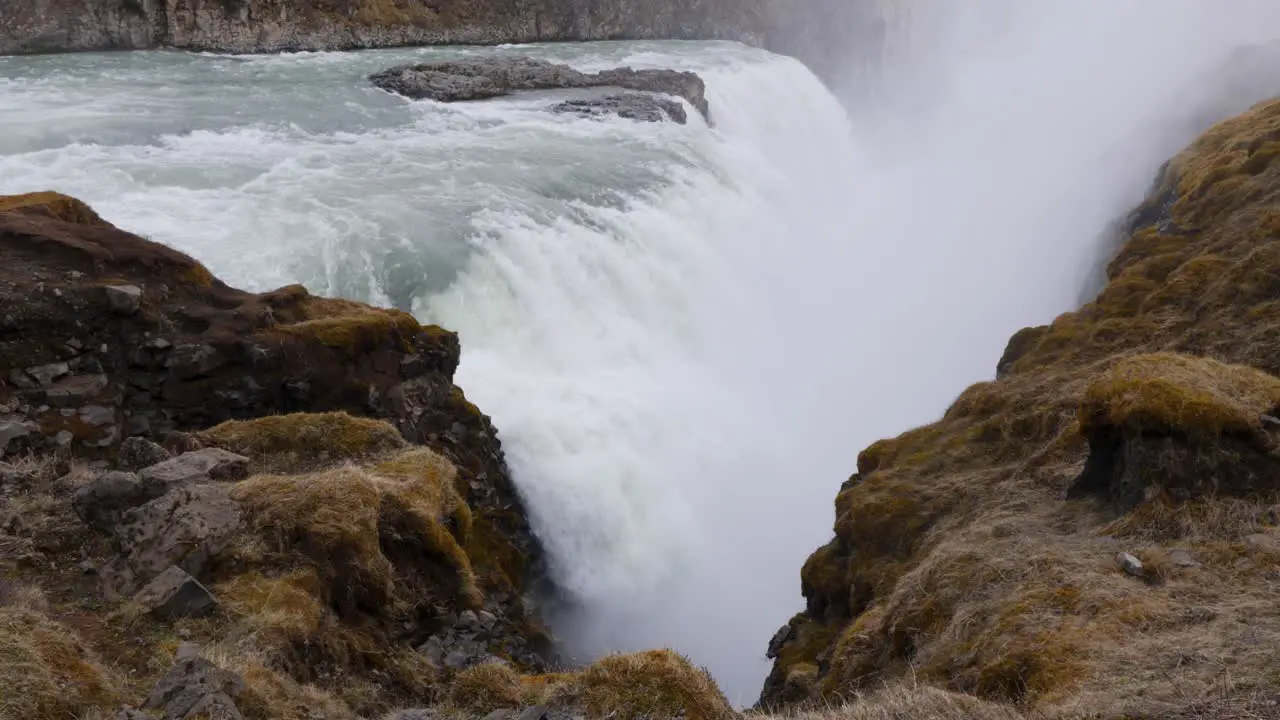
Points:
[612,282]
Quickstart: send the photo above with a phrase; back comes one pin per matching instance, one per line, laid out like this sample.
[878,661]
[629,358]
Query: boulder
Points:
[185,527]
[123,299]
[194,685]
[454,81]
[631,106]
[105,499]
[199,466]
[137,453]
[175,594]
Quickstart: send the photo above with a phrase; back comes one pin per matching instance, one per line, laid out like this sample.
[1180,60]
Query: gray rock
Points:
[124,299]
[416,714]
[185,689]
[103,501]
[487,619]
[778,640]
[97,415]
[11,430]
[46,374]
[1182,558]
[137,453]
[214,706]
[631,106]
[1130,564]
[76,391]
[537,712]
[454,81]
[198,466]
[175,594]
[185,527]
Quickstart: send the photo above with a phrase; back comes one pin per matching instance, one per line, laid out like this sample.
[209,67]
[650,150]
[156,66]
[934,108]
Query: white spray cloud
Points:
[1004,137]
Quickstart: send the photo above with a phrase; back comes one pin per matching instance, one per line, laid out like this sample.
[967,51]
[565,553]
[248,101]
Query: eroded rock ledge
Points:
[456,81]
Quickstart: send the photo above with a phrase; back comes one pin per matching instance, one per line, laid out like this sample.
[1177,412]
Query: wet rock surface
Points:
[456,81]
[632,106]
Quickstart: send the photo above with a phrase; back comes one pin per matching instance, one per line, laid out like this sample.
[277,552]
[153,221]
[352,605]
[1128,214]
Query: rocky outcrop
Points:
[285,25]
[1059,535]
[323,497]
[456,81]
[632,106]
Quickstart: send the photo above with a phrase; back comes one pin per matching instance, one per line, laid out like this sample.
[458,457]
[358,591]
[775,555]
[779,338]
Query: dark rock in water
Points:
[455,81]
[632,106]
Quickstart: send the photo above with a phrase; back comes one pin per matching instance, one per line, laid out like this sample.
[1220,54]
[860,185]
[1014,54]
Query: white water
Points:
[684,334]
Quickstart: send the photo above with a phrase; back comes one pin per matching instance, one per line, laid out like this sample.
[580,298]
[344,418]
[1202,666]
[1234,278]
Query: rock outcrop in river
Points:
[456,81]
[1094,532]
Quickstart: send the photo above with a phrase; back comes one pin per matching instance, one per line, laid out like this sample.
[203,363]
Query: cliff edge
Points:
[1094,532]
[257,26]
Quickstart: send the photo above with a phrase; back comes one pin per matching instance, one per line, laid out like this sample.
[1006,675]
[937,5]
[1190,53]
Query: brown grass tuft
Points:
[1165,392]
[655,685]
[303,441]
[46,670]
[481,689]
[57,205]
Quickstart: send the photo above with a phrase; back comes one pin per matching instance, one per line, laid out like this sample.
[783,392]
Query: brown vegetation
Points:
[958,562]
[302,441]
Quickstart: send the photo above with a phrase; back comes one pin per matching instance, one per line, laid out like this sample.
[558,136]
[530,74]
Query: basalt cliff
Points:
[815,31]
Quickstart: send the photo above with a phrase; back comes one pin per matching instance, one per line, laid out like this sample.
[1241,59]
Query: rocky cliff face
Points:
[281,25]
[1092,532]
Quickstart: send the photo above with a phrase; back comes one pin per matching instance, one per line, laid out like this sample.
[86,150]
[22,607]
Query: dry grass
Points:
[909,702]
[481,689]
[351,326]
[303,441]
[956,560]
[655,685]
[1165,392]
[57,205]
[45,669]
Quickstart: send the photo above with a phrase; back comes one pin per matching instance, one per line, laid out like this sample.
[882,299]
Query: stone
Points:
[76,390]
[199,466]
[11,430]
[778,640]
[184,527]
[103,501]
[46,374]
[124,299]
[175,594]
[137,453]
[462,80]
[1182,558]
[487,619]
[536,712]
[97,415]
[630,106]
[416,714]
[1262,543]
[1130,564]
[188,685]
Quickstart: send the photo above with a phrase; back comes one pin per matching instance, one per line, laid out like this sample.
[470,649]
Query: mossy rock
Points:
[305,440]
